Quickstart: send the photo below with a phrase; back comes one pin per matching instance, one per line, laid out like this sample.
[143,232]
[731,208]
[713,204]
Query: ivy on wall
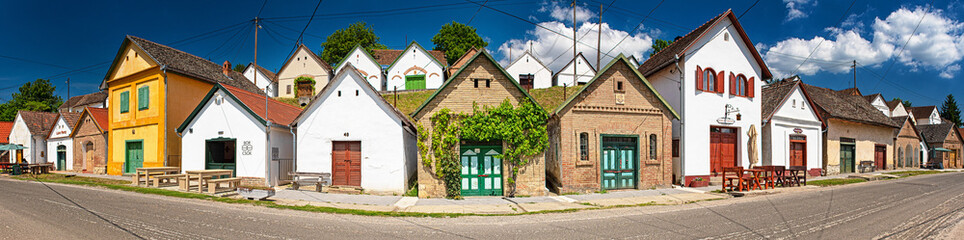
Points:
[306,79]
[521,129]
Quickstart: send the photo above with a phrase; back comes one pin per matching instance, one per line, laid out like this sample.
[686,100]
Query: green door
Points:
[414,82]
[61,158]
[135,156]
[481,170]
[220,153]
[847,158]
[618,163]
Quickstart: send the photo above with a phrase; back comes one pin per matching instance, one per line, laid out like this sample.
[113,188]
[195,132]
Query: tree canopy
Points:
[454,39]
[342,41]
[33,96]
[950,111]
[239,67]
[906,103]
[658,45]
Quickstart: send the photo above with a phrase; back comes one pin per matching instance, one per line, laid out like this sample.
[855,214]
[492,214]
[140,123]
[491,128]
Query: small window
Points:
[584,146]
[288,89]
[476,83]
[794,103]
[356,92]
[709,80]
[275,153]
[488,83]
[653,150]
[726,37]
[339,93]
[619,86]
[675,147]
[143,98]
[125,98]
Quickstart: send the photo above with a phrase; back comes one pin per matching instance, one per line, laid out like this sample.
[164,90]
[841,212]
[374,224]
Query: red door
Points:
[798,151]
[722,148]
[880,156]
[346,163]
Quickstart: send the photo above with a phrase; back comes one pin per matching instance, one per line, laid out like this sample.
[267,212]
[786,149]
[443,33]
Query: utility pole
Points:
[68,94]
[574,63]
[855,73]
[599,37]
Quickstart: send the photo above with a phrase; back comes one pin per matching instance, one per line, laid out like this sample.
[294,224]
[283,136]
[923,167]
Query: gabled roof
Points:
[533,57]
[320,61]
[922,112]
[271,75]
[462,60]
[851,91]
[847,107]
[350,69]
[936,133]
[5,128]
[99,115]
[572,61]
[633,60]
[183,63]
[39,123]
[70,118]
[81,100]
[357,47]
[618,60]
[667,56]
[382,55]
[900,122]
[480,54]
[279,113]
[870,98]
[776,94]
[892,104]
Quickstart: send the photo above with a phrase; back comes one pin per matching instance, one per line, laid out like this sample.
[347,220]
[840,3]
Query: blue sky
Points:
[49,39]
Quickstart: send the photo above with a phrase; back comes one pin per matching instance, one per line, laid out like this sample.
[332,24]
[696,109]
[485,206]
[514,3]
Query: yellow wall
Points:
[189,94]
[866,137]
[136,124]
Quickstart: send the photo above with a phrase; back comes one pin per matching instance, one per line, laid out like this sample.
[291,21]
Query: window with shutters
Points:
[125,98]
[653,147]
[143,97]
[584,146]
[740,85]
[708,80]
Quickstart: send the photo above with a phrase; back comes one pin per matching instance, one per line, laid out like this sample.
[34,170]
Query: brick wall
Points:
[253,181]
[596,112]
[94,160]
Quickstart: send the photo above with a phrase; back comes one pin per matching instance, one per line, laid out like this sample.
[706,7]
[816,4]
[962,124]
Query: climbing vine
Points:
[522,130]
[306,79]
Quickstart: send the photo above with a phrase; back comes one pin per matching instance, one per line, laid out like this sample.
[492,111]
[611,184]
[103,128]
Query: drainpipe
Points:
[166,150]
[682,113]
[267,152]
[294,148]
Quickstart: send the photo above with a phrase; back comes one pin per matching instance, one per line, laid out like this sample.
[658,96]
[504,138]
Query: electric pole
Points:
[855,73]
[69,109]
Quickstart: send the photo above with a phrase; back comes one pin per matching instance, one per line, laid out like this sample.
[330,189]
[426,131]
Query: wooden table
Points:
[201,175]
[40,168]
[148,171]
[795,175]
[769,175]
[755,179]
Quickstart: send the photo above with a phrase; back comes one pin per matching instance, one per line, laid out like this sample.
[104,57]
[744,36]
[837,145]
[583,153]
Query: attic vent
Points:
[219,99]
[726,36]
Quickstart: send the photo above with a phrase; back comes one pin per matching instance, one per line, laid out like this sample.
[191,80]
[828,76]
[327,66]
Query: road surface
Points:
[929,206]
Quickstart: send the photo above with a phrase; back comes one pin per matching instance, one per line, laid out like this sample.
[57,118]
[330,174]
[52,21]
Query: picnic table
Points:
[202,176]
[40,168]
[755,179]
[148,171]
[795,175]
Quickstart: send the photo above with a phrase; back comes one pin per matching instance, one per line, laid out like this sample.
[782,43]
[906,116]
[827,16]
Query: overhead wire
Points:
[839,22]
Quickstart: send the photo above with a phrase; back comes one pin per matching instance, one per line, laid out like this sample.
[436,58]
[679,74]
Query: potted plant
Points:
[255,192]
[699,182]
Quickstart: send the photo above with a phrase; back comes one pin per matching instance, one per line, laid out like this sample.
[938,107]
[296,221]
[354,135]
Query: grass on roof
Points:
[548,98]
[289,101]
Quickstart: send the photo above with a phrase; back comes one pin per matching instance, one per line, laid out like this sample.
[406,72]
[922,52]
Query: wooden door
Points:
[953,162]
[346,163]
[61,158]
[618,163]
[847,158]
[481,171]
[722,148]
[880,157]
[414,82]
[89,157]
[19,156]
[526,80]
[798,153]
[135,156]
[305,89]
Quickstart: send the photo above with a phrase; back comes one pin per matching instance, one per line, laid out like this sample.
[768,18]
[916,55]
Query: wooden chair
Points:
[731,174]
[780,175]
[801,175]
[768,178]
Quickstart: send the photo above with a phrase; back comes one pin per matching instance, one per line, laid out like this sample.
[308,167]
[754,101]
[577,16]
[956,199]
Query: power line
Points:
[897,57]
[476,13]
[300,35]
[840,21]
[636,28]
[262,7]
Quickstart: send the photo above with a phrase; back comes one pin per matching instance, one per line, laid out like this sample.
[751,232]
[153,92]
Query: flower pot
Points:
[697,184]
[255,194]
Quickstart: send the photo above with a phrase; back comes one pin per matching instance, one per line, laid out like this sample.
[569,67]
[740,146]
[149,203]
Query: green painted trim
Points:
[470,61]
[207,98]
[125,101]
[221,139]
[423,50]
[147,100]
[599,74]
[358,46]
[127,156]
[636,164]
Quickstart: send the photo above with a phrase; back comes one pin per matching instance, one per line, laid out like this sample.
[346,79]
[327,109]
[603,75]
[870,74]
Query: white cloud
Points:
[795,8]
[563,13]
[555,50]
[937,44]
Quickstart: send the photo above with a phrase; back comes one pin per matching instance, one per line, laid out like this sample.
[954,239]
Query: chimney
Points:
[226,67]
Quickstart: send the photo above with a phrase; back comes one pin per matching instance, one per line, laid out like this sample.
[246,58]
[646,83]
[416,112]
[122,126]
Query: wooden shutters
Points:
[699,78]
[346,163]
[143,97]
[720,76]
[734,90]
[125,97]
[749,87]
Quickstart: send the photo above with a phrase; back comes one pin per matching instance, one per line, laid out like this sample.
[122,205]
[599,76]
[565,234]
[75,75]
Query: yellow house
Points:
[152,88]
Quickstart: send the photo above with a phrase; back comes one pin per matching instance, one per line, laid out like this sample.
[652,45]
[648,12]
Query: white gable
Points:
[879,103]
[61,129]
[368,68]
[261,81]
[223,117]
[414,61]
[796,108]
[528,64]
[935,117]
[899,111]
[583,72]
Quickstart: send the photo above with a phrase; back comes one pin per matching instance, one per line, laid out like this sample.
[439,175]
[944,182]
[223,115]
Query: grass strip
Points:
[835,181]
[904,174]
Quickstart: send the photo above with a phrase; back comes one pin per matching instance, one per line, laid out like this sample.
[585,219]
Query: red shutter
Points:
[733,84]
[699,78]
[749,87]
[720,76]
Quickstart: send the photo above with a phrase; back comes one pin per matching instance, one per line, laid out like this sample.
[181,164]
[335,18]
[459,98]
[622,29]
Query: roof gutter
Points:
[167,157]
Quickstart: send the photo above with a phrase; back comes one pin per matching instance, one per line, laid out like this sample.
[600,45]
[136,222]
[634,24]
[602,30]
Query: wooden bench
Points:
[308,178]
[213,183]
[167,179]
[184,183]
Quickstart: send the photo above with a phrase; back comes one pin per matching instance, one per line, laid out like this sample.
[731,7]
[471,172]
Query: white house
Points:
[350,131]
[261,77]
[926,115]
[59,142]
[792,128]
[530,72]
[365,65]
[303,63]
[229,130]
[577,72]
[30,129]
[712,76]
[415,68]
[633,60]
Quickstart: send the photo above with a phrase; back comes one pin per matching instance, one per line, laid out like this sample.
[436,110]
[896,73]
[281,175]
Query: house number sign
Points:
[246,148]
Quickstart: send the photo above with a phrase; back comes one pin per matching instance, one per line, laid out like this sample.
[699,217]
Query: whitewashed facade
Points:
[577,72]
[35,143]
[414,61]
[366,66]
[793,124]
[60,139]
[261,79]
[349,110]
[705,107]
[528,64]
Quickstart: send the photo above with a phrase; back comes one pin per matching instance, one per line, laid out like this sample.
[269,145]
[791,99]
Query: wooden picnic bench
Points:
[148,172]
[309,178]
[166,178]
[204,177]
[213,183]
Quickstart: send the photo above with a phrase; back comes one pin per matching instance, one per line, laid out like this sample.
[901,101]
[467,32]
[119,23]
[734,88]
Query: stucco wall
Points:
[564,77]
[414,61]
[866,138]
[68,144]
[262,81]
[225,120]
[795,114]
[527,64]
[301,64]
[20,134]
[370,70]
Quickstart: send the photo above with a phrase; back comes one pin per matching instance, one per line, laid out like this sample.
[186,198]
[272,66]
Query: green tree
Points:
[342,41]
[906,103]
[239,67]
[454,39]
[659,45]
[33,96]
[950,111]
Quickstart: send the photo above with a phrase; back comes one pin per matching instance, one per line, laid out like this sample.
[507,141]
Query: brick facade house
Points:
[615,133]
[482,82]
[90,141]
[945,144]
[907,141]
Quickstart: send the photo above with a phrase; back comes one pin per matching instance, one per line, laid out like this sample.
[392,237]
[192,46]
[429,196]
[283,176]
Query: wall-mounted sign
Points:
[797,130]
[246,148]
[725,120]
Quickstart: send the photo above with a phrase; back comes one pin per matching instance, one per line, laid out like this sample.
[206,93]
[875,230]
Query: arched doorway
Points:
[88,156]
[61,158]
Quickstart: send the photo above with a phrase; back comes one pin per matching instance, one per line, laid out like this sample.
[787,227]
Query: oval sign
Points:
[797,130]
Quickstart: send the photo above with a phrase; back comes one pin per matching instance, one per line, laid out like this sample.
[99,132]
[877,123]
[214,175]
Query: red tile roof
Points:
[39,123]
[5,128]
[100,116]
[278,112]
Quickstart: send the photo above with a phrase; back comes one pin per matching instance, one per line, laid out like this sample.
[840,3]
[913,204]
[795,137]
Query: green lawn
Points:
[289,101]
[408,101]
[835,181]
[904,174]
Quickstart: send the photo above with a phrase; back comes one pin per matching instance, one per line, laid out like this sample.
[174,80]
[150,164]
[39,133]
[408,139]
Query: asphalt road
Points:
[911,208]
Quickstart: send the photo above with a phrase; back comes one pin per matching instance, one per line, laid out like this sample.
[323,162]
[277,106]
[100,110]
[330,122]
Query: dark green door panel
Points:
[481,170]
